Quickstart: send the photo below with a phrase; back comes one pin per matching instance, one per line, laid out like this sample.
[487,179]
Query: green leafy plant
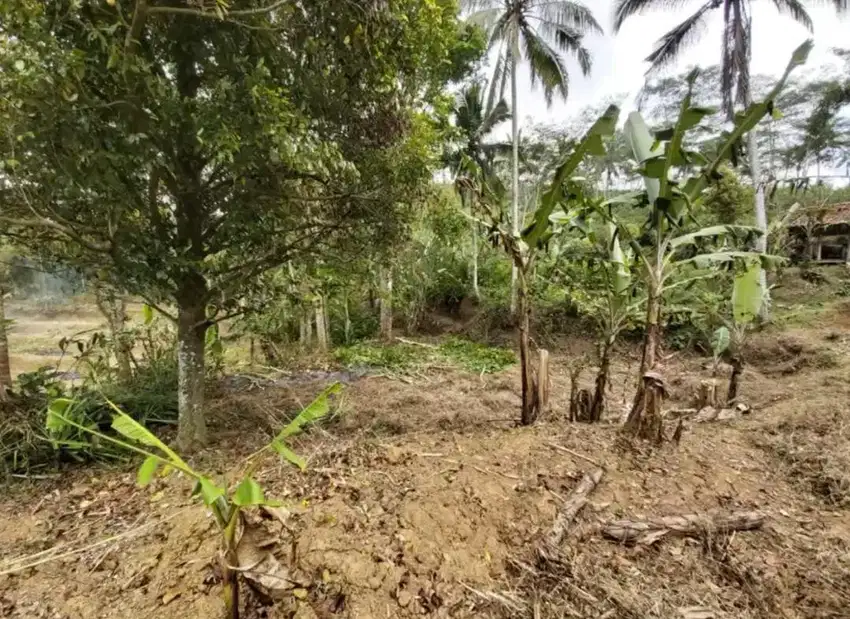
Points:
[671,198]
[728,340]
[226,503]
[612,298]
[564,192]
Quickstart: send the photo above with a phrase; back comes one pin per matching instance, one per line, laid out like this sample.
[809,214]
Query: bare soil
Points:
[423,498]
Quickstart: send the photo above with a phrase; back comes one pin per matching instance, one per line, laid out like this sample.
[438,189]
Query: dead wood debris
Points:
[548,548]
[688,525]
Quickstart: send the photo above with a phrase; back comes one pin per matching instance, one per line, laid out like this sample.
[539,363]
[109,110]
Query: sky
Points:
[618,65]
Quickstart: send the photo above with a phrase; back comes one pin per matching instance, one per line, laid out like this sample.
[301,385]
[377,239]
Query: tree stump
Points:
[645,420]
[583,406]
[544,385]
[707,395]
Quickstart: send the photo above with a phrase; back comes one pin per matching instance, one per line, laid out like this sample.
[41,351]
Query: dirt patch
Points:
[423,498]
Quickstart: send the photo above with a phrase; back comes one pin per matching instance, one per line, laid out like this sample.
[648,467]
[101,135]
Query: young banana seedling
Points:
[226,504]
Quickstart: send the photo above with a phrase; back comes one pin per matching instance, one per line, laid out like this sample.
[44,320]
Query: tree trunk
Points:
[515,223]
[191,331]
[597,408]
[761,217]
[386,277]
[5,366]
[529,394]
[347,320]
[321,324]
[651,342]
[474,256]
[734,379]
[113,306]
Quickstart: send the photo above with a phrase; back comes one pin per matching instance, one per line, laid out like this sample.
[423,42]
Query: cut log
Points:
[688,525]
[548,548]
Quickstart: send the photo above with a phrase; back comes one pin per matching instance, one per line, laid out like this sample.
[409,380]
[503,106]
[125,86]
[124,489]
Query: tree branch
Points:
[176,10]
[68,232]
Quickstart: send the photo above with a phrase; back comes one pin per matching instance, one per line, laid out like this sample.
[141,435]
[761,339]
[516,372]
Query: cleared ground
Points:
[423,498]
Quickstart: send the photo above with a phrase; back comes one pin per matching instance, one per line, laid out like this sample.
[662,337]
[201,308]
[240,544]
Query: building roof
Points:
[831,215]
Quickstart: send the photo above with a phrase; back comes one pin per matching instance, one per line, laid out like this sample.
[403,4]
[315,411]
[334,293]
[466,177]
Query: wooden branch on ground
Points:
[688,525]
[575,454]
[548,548]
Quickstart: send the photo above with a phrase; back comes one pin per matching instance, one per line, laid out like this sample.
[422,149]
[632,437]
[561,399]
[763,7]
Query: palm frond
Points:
[569,40]
[472,6]
[626,8]
[499,79]
[565,13]
[546,66]
[486,18]
[735,65]
[500,113]
[796,10]
[469,109]
[669,46]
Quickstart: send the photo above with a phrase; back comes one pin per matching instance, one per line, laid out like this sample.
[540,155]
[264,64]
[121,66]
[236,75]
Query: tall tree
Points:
[183,151]
[538,31]
[472,159]
[734,66]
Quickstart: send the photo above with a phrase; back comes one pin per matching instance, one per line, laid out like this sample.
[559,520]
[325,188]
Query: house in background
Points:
[822,234]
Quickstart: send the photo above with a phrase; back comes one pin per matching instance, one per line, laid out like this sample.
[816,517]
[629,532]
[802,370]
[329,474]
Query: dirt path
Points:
[424,499]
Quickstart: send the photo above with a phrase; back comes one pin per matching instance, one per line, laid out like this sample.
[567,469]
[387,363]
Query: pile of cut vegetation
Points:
[408,356]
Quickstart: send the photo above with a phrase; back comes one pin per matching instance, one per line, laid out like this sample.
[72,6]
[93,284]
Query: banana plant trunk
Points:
[5,366]
[529,393]
[761,216]
[597,407]
[192,327]
[735,379]
[515,223]
[651,342]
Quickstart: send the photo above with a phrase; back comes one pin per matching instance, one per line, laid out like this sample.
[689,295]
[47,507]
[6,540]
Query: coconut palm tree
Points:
[471,161]
[538,31]
[734,65]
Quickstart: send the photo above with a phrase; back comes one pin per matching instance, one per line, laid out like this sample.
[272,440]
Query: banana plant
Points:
[226,504]
[728,340]
[564,193]
[671,198]
[609,293]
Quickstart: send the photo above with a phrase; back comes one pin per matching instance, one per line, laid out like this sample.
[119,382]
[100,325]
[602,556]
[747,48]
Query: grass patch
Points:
[410,357]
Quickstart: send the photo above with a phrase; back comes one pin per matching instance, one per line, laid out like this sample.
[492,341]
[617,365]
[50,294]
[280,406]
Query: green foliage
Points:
[392,357]
[727,200]
[405,358]
[475,357]
[254,148]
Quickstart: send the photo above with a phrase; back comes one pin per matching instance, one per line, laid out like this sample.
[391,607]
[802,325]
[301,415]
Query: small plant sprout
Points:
[226,504]
[728,340]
